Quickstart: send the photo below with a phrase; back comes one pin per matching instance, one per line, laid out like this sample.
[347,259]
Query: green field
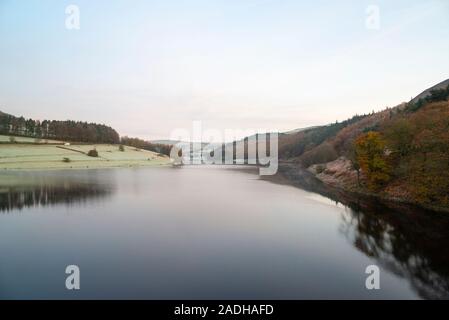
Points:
[41,156]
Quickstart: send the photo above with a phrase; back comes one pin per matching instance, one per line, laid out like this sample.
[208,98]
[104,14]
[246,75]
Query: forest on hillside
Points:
[76,131]
[400,152]
[146,145]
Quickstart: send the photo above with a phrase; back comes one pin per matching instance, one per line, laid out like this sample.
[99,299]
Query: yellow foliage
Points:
[371,156]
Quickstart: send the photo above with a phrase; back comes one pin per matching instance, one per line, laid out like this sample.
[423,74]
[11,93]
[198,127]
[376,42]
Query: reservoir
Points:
[198,232]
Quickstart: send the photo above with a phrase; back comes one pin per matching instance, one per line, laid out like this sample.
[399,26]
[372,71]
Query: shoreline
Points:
[292,172]
[87,167]
[309,181]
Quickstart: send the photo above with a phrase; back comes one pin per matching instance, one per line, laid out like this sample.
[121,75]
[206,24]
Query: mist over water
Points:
[208,233]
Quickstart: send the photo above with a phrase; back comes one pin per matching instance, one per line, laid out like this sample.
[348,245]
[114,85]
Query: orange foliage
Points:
[371,157]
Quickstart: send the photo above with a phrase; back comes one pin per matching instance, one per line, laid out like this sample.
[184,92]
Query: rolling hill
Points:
[399,153]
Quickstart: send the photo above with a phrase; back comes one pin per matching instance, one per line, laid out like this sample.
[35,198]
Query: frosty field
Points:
[44,156]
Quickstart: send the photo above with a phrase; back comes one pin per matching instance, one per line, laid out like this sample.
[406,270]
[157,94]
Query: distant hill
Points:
[161,148]
[426,93]
[167,142]
[299,130]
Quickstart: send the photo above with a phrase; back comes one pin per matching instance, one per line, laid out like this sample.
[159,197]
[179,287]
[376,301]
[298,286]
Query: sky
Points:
[147,68]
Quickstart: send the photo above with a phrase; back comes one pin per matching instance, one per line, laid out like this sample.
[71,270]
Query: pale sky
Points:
[148,67]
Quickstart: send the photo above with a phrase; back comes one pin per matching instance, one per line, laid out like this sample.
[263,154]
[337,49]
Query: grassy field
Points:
[41,156]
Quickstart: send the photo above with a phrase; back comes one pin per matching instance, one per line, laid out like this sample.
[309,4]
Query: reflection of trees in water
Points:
[405,240]
[414,245]
[43,195]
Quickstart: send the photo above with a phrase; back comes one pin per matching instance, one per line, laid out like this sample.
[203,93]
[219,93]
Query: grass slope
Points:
[34,156]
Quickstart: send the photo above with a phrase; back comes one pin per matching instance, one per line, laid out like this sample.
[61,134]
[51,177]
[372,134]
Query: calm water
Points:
[207,233]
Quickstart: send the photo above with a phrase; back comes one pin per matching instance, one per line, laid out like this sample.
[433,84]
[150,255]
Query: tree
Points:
[93,153]
[399,135]
[371,155]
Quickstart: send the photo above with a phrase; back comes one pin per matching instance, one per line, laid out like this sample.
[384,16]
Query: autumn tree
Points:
[371,156]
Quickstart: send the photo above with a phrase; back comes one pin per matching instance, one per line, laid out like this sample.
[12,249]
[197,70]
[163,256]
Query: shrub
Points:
[66,160]
[93,153]
[121,148]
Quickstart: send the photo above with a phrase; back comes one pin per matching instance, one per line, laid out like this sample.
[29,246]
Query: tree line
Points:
[146,145]
[76,131]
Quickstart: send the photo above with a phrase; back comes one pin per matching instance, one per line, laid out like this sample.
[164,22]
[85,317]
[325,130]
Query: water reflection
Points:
[38,189]
[412,245]
[410,242]
[254,222]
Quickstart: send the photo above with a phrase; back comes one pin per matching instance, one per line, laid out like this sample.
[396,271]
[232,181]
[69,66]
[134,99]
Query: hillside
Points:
[51,144]
[426,93]
[400,153]
[18,156]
